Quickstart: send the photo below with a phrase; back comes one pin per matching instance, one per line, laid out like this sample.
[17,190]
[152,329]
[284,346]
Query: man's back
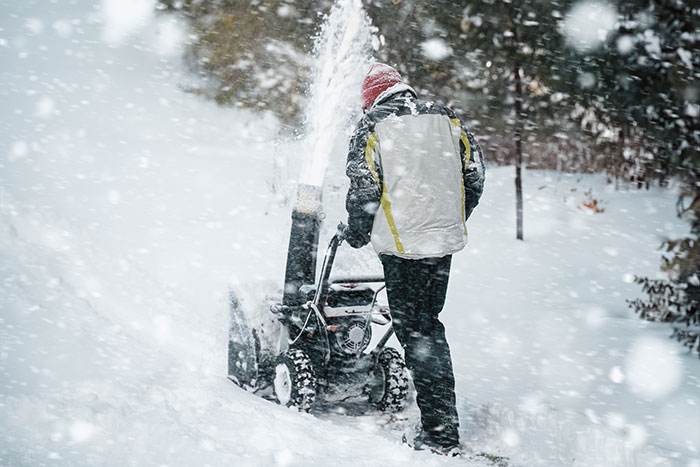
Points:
[418,154]
[418,151]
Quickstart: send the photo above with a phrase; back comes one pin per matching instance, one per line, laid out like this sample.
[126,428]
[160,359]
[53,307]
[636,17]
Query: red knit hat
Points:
[380,77]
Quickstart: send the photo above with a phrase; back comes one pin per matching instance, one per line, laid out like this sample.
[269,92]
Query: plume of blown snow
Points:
[341,60]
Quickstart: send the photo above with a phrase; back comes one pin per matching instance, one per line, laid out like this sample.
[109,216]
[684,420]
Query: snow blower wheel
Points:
[295,381]
[391,391]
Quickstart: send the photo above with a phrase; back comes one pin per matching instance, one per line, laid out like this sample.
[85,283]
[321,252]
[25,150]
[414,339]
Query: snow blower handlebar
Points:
[317,304]
[324,283]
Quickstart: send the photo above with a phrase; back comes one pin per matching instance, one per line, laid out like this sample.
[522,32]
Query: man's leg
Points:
[416,290]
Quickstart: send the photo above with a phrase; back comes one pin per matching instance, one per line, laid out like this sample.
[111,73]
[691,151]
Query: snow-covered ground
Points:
[128,205]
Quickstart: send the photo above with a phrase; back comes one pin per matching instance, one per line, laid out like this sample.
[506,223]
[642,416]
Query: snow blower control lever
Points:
[322,291]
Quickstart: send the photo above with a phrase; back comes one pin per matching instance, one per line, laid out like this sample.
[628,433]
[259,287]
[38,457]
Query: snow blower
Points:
[312,348]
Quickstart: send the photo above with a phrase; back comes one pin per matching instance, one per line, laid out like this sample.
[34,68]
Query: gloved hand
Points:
[342,229]
[356,239]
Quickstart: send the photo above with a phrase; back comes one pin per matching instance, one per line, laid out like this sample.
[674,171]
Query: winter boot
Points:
[424,443]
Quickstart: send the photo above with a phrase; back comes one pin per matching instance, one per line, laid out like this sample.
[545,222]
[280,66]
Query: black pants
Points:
[416,290]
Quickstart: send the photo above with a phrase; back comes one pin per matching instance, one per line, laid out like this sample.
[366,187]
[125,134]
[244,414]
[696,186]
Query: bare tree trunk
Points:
[615,167]
[518,153]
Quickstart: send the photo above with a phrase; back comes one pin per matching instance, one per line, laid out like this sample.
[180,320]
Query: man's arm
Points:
[364,194]
[473,173]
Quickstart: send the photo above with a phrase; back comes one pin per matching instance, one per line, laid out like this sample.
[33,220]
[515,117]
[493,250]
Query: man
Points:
[416,174]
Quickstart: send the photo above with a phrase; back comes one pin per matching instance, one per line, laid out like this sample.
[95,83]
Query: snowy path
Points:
[126,207]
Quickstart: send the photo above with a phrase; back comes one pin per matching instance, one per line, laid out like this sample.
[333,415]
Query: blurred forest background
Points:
[569,85]
[623,99]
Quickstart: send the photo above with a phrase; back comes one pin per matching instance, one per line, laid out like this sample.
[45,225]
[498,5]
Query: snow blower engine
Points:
[312,349]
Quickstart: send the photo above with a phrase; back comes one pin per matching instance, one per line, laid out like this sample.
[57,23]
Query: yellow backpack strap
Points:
[386,204]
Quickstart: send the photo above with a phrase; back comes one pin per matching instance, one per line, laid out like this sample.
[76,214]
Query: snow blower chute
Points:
[313,346]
